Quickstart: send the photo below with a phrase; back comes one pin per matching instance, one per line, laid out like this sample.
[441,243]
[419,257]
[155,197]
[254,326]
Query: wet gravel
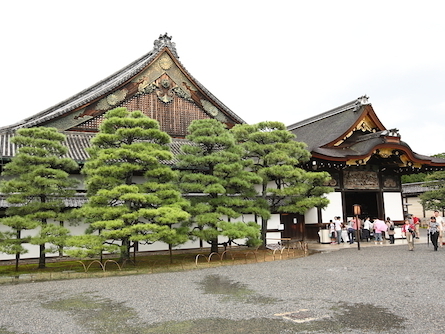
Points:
[379,289]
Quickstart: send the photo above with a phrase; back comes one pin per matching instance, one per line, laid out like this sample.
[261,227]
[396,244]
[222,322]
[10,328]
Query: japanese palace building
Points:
[364,158]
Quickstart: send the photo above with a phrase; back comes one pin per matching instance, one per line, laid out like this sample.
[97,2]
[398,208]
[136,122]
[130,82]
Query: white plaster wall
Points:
[259,187]
[334,207]
[273,237]
[393,206]
[311,216]
[274,222]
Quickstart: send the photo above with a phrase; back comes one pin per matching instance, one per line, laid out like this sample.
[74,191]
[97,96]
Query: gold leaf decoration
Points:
[210,108]
[165,62]
[111,100]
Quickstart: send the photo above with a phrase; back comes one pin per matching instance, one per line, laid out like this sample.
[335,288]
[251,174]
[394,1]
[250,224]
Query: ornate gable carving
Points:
[163,79]
[366,125]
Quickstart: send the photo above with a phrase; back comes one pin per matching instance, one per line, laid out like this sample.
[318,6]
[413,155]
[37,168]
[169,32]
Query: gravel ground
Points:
[379,289]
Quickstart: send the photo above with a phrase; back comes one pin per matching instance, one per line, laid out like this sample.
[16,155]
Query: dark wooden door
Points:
[293,226]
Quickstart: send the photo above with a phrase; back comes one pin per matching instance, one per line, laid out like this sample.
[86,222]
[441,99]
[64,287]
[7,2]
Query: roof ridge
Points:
[356,104]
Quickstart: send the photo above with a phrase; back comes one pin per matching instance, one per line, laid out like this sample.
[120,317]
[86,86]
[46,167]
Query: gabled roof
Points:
[159,73]
[352,133]
[417,188]
[333,125]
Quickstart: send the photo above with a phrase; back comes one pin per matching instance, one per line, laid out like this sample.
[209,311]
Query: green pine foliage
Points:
[36,183]
[215,179]
[275,156]
[411,178]
[131,194]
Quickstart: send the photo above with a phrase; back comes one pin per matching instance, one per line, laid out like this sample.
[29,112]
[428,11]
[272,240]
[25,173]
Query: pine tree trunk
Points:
[264,231]
[42,257]
[17,259]
[170,250]
[17,255]
[125,250]
[214,246]
[263,220]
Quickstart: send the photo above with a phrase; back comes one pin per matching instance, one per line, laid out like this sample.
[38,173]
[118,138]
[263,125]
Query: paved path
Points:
[324,247]
[379,289]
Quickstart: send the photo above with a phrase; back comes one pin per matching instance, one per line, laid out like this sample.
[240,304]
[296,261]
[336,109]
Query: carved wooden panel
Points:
[360,180]
[174,117]
[390,182]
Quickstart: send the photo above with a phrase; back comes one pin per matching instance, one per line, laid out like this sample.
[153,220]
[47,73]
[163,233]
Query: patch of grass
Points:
[98,315]
[5,331]
[144,263]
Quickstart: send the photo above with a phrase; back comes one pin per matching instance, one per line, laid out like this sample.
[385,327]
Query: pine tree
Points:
[218,186]
[130,189]
[37,183]
[276,158]
[434,199]
[11,242]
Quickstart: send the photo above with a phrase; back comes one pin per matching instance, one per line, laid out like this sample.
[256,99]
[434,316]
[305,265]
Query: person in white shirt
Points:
[332,232]
[337,223]
[433,230]
[367,227]
[440,221]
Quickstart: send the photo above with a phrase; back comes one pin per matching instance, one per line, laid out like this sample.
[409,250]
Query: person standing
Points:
[337,223]
[351,230]
[416,222]
[440,221]
[408,230]
[367,229]
[433,230]
[391,230]
[379,227]
[332,232]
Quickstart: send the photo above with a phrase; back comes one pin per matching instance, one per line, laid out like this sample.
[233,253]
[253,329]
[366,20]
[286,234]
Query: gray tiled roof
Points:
[322,129]
[70,202]
[416,188]
[77,143]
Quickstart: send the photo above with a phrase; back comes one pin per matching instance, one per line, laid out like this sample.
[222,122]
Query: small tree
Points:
[276,158]
[435,198]
[132,197]
[88,246]
[38,181]
[218,186]
[11,242]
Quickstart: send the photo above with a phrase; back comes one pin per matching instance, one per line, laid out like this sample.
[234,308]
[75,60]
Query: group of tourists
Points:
[436,227]
[378,229]
[367,229]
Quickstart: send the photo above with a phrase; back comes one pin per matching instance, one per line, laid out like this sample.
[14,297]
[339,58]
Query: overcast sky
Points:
[266,60]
